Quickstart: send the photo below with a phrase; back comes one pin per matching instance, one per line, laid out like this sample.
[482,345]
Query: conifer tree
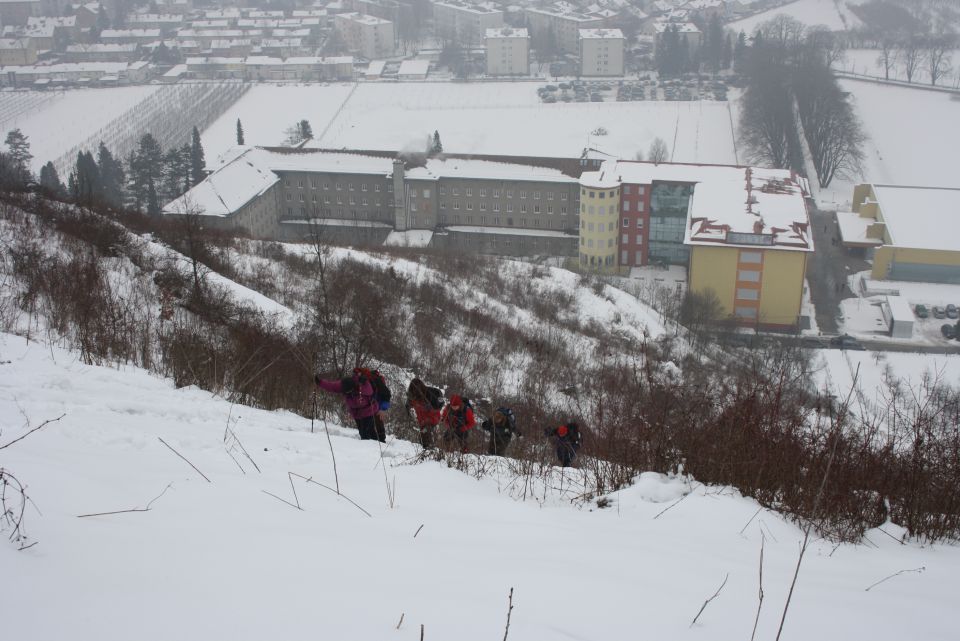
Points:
[112,177]
[20,155]
[197,162]
[239,133]
[437,146]
[50,181]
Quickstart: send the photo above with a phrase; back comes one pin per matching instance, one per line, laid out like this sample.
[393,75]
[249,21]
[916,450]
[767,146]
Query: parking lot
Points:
[649,87]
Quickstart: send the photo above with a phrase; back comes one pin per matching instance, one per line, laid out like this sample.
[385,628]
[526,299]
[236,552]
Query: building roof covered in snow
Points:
[920,217]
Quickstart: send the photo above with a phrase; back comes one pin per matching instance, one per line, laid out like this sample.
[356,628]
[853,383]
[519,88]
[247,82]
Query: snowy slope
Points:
[225,560]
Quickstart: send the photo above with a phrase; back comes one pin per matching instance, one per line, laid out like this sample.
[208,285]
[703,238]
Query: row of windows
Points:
[455,219]
[588,242]
[507,193]
[626,223]
[339,212]
[598,227]
[600,209]
[337,186]
[625,239]
[628,189]
[626,205]
[339,200]
[596,194]
[598,261]
[495,207]
[625,257]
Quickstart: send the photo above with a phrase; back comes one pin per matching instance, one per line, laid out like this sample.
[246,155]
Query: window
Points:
[623,256]
[469,205]
[326,200]
[549,209]
[496,206]
[549,195]
[563,211]
[583,192]
[339,186]
[639,239]
[496,193]
[610,227]
[748,294]
[483,206]
[639,223]
[313,183]
[364,201]
[443,205]
[640,190]
[456,204]
[523,194]
[563,196]
[326,186]
[523,209]
[640,206]
[536,209]
[639,258]
[583,241]
[289,197]
[612,193]
[469,191]
[413,205]
[626,190]
[751,257]
[603,194]
[350,186]
[593,194]
[443,190]
[748,276]
[626,222]
[509,193]
[590,242]
[376,188]
[483,193]
[301,197]
[590,209]
[456,192]
[626,205]
[314,198]
[300,184]
[286,182]
[509,208]
[536,195]
[609,243]
[363,186]
[590,227]
[624,239]
[745,312]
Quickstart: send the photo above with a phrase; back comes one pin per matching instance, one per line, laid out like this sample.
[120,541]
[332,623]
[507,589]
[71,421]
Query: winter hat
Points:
[456,401]
[348,385]
[562,431]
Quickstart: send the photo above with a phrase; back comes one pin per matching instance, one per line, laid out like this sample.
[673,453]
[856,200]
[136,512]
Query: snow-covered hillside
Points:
[225,559]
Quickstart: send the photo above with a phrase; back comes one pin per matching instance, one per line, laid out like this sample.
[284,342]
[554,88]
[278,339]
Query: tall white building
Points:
[466,23]
[562,25]
[366,36]
[508,52]
[601,52]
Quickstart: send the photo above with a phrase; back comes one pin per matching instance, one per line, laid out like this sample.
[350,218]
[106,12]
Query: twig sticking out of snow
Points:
[135,509]
[918,570]
[509,612]
[715,594]
[760,588]
[327,487]
[185,459]
[41,426]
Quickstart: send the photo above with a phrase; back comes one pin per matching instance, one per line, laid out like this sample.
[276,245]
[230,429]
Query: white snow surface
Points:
[834,14]
[55,121]
[226,560]
[481,118]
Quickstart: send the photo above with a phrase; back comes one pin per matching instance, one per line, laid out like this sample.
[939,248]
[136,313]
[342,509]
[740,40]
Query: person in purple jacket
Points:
[360,400]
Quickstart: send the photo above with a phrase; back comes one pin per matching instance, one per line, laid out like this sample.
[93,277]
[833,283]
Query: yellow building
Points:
[599,214]
[743,232]
[906,231]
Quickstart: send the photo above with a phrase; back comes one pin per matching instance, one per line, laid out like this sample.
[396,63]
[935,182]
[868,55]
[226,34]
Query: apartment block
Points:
[561,25]
[366,36]
[508,52]
[464,22]
[601,52]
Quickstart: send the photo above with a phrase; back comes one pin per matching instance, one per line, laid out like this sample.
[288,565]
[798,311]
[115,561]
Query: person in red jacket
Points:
[458,419]
[425,404]
[360,400]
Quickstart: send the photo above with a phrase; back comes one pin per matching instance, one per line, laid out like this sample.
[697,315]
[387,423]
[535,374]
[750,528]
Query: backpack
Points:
[511,418]
[435,398]
[380,389]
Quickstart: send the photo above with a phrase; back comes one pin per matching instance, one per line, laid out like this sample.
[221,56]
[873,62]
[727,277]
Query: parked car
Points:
[948,331]
[939,312]
[952,311]
[922,311]
[813,342]
[846,342]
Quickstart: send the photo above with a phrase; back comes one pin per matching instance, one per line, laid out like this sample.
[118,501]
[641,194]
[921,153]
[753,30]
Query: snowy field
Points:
[864,61]
[225,559]
[55,121]
[913,138]
[834,14]
[482,118]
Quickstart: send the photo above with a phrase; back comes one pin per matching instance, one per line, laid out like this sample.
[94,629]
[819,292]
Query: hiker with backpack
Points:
[381,393]
[358,395]
[458,418]
[424,403]
[567,440]
[502,428]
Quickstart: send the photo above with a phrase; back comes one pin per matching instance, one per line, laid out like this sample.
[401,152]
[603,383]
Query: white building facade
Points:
[366,36]
[463,22]
[508,52]
[601,52]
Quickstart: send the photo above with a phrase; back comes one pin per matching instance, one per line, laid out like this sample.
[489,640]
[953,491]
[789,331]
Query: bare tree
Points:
[658,151]
[911,55]
[766,123]
[888,55]
[937,56]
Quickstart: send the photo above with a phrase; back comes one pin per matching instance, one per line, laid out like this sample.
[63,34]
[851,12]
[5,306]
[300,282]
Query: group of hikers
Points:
[367,397]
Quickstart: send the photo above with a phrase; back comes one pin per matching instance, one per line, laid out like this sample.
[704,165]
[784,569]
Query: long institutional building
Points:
[743,232]
[905,231]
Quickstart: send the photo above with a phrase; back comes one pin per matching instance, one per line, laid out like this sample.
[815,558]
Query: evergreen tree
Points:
[20,154]
[726,56]
[112,177]
[306,132]
[146,170]
[50,181]
[740,53]
[197,162]
[437,146]
[239,133]
[713,54]
[177,176]
[153,202]
[85,187]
